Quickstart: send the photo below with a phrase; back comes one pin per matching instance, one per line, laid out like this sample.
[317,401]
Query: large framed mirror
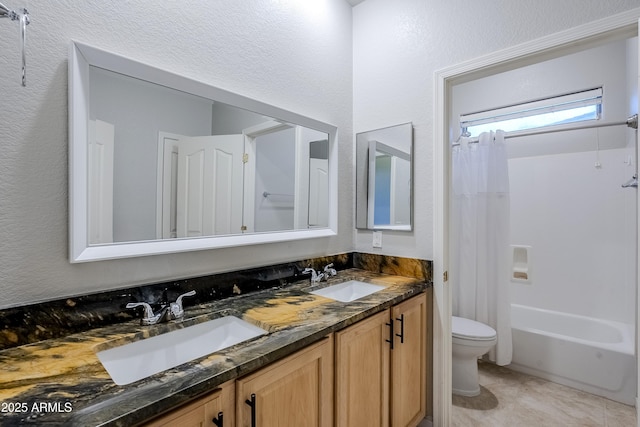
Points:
[161,163]
[384,178]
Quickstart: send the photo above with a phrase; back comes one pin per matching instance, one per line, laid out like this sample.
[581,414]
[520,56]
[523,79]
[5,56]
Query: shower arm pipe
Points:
[631,122]
[5,12]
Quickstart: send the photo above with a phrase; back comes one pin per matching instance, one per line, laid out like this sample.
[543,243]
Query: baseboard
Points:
[427,422]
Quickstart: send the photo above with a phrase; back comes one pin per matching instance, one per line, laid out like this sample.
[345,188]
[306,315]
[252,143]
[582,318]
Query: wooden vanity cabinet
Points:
[362,373]
[409,362]
[218,405]
[381,368]
[375,385]
[295,391]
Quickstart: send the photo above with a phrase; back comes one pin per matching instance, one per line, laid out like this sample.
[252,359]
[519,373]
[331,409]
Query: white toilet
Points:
[471,339]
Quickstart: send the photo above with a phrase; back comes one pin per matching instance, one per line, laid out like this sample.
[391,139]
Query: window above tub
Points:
[558,110]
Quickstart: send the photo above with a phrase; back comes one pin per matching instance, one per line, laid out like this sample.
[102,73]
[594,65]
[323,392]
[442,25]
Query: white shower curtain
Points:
[480,238]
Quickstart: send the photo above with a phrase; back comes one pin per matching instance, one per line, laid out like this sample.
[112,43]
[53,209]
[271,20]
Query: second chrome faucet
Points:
[167,312]
[317,276]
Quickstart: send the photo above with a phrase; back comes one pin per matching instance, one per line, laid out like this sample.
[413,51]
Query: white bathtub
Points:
[589,354]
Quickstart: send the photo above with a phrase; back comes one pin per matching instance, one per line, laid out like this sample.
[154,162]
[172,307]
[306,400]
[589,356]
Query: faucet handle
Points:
[315,276]
[176,307]
[186,294]
[312,271]
[148,311]
[329,270]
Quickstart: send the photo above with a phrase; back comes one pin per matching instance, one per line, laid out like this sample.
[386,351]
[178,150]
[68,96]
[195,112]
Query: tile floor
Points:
[512,399]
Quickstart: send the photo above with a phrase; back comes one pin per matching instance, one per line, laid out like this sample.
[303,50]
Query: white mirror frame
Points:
[82,56]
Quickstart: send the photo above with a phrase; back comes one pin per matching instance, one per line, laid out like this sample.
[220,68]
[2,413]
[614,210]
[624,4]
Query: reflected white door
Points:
[401,191]
[167,185]
[209,190]
[318,192]
[101,146]
[253,183]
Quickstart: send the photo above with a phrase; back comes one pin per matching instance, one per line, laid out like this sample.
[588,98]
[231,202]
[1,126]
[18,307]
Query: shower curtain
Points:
[480,237]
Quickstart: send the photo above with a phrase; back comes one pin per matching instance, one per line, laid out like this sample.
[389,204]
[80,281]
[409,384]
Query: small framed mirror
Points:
[384,178]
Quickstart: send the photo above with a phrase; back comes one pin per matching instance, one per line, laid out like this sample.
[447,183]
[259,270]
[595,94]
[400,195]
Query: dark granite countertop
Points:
[62,382]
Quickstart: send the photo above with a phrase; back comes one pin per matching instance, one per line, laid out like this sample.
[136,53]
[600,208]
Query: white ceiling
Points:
[354,2]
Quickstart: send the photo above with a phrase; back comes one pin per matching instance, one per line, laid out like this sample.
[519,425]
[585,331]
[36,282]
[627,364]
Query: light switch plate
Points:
[377,239]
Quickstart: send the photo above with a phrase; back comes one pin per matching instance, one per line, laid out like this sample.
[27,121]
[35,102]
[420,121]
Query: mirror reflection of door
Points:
[209,187]
[400,200]
[275,165]
[272,177]
[167,186]
[382,196]
[200,185]
[319,183]
[280,191]
[389,186]
[101,151]
[257,185]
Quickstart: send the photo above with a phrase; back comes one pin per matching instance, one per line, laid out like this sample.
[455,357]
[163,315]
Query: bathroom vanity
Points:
[310,348]
[319,348]
[365,373]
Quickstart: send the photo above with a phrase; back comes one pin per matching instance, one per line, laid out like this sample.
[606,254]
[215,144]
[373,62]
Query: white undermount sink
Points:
[348,291]
[140,359]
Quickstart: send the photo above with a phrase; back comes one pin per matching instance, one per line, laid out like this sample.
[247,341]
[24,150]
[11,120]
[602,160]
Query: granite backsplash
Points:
[59,318]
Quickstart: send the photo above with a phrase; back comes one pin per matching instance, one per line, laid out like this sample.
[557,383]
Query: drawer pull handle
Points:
[252,405]
[401,334]
[218,421]
[390,340]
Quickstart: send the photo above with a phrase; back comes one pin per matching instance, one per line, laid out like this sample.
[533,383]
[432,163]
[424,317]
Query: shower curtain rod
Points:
[631,122]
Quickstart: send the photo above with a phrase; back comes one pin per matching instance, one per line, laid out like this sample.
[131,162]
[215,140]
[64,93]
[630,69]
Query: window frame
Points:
[532,109]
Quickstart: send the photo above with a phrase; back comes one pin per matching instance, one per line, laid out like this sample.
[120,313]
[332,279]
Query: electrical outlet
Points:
[377,239]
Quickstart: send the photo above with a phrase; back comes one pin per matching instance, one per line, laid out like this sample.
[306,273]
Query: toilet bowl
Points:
[470,340]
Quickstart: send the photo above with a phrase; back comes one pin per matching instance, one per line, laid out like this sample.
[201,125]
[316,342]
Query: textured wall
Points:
[581,264]
[276,51]
[399,45]
[273,50]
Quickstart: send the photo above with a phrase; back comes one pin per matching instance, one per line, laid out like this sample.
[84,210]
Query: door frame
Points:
[250,134]
[164,179]
[615,27]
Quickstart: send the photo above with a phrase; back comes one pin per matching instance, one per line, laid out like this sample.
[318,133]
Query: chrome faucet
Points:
[329,271]
[167,312]
[315,276]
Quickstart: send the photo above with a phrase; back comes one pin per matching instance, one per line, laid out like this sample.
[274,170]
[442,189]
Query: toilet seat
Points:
[471,330]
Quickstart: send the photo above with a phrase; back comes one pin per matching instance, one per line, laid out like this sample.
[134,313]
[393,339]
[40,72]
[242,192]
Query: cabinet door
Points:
[295,391]
[409,362]
[201,412]
[362,373]
[222,407]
